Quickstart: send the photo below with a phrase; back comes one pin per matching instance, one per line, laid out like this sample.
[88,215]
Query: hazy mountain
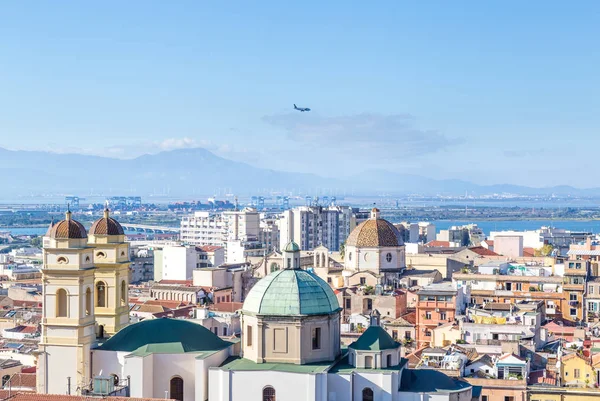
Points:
[197,171]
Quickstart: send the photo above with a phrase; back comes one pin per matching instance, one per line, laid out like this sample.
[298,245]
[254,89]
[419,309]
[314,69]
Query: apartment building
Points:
[438,304]
[312,226]
[179,261]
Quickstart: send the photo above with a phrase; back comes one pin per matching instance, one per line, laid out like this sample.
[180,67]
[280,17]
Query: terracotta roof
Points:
[23,329]
[482,251]
[68,229]
[208,248]
[374,233]
[185,312]
[23,380]
[555,328]
[106,226]
[410,317]
[175,282]
[434,243]
[166,303]
[489,242]
[528,252]
[227,306]
[537,377]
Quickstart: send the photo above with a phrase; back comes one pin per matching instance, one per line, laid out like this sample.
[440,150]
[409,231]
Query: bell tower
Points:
[111,258]
[68,323]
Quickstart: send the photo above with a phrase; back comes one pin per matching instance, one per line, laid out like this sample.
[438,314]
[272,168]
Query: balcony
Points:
[576,272]
[436,304]
[574,287]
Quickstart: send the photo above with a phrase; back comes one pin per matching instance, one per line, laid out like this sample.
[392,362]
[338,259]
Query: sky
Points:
[490,92]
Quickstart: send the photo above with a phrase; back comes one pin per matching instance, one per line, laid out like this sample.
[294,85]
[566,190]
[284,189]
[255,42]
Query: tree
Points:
[545,250]
[343,249]
[36,242]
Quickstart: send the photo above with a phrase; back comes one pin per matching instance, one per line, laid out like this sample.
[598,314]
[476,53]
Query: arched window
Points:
[274,267]
[88,301]
[388,257]
[123,293]
[61,303]
[367,394]
[62,260]
[101,294]
[5,380]
[176,388]
[350,256]
[323,260]
[87,258]
[368,362]
[100,255]
[389,360]
[268,394]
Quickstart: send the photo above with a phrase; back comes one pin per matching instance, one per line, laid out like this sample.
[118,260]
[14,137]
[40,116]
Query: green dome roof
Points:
[375,338]
[291,292]
[291,247]
[166,336]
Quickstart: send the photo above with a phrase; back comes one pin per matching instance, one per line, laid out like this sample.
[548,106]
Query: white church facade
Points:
[289,350]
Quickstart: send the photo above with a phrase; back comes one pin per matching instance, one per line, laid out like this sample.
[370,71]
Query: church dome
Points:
[67,229]
[106,226]
[291,292]
[374,233]
[166,336]
[291,247]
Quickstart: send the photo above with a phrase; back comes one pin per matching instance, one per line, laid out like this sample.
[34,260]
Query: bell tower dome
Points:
[68,322]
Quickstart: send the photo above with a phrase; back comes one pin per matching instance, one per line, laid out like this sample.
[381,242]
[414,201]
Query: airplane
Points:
[301,109]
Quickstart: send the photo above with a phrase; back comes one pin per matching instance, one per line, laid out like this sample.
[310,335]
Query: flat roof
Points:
[237,363]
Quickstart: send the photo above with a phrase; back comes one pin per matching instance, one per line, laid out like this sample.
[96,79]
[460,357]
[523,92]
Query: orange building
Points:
[438,304]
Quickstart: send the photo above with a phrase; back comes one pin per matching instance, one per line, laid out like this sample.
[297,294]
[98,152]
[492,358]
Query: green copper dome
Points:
[375,338]
[291,292]
[291,247]
[164,336]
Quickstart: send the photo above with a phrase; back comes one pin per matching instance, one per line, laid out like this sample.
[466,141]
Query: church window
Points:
[62,260]
[274,267]
[367,394]
[289,263]
[388,257]
[5,380]
[389,361]
[100,255]
[101,294]
[61,303]
[249,336]
[177,388]
[87,258]
[268,394]
[88,302]
[350,256]
[323,260]
[316,338]
[123,293]
[368,363]
[363,280]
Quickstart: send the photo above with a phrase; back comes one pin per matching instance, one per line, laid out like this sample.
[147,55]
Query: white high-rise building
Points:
[312,226]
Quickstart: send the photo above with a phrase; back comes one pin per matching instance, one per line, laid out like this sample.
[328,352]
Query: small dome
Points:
[106,226]
[166,336]
[291,247]
[67,229]
[375,338]
[374,233]
[291,292]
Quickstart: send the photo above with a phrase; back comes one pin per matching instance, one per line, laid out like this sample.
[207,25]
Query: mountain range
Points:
[197,171]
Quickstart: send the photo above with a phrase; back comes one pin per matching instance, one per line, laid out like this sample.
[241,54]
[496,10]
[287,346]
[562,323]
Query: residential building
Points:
[438,304]
[179,261]
[508,245]
[576,371]
[312,226]
[498,323]
[467,235]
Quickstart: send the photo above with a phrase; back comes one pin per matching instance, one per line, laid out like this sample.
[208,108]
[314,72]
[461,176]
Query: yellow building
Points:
[111,259]
[542,393]
[576,371]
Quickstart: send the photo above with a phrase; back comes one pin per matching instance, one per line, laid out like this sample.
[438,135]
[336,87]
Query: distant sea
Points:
[36,231]
[487,226]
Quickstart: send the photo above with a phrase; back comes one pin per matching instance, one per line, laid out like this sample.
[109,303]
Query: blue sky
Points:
[492,92]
